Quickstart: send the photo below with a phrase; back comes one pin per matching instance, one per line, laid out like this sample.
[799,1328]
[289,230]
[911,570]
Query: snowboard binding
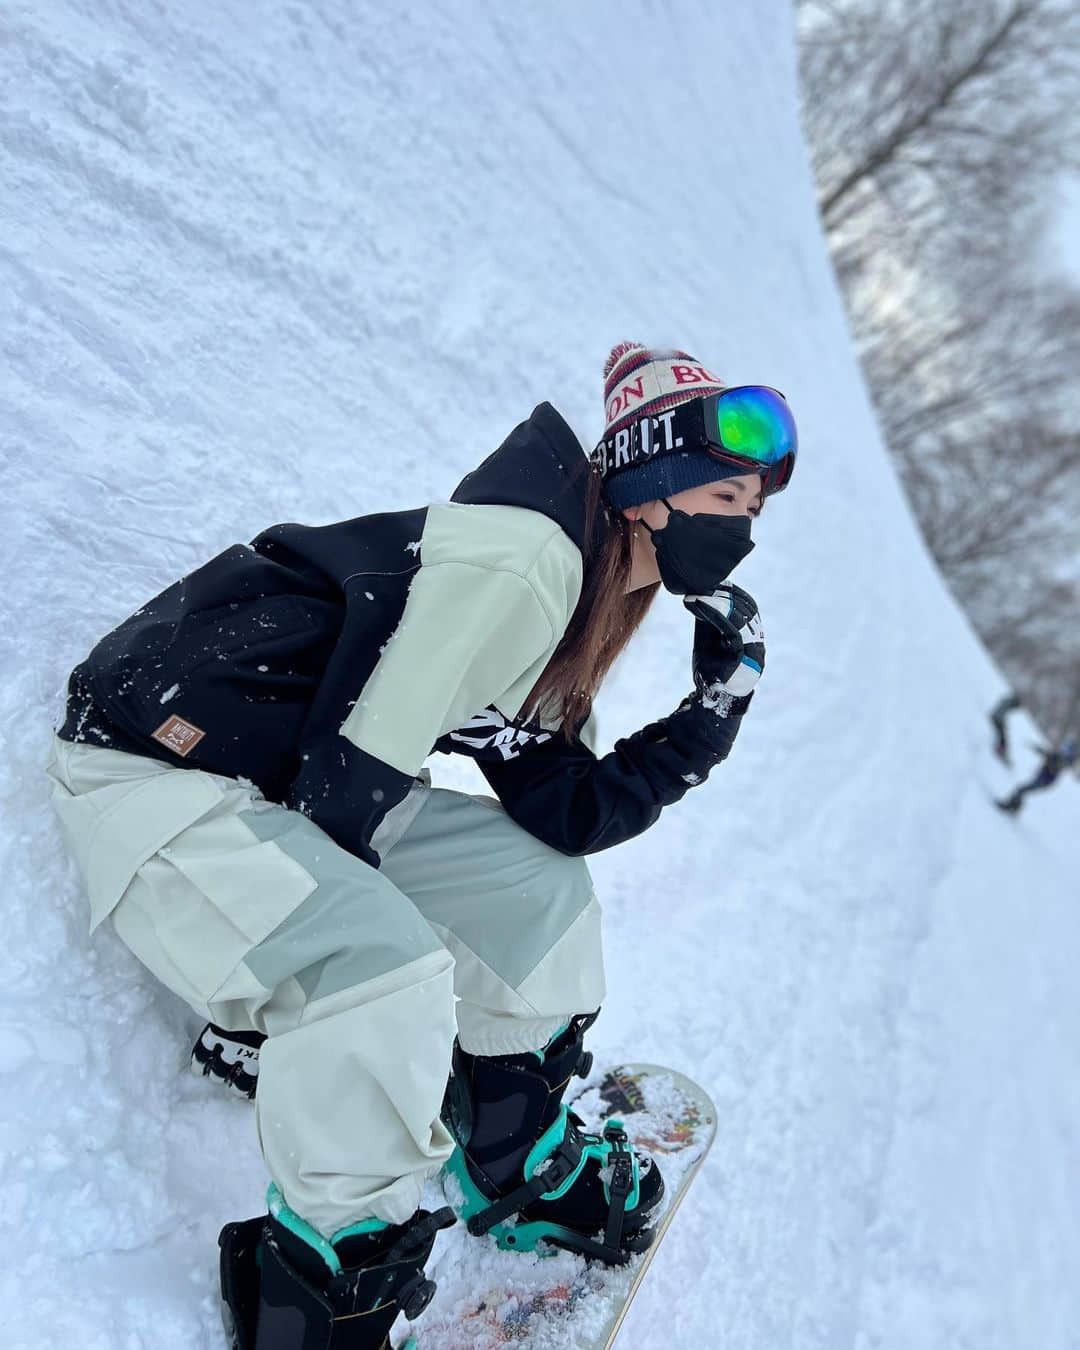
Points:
[229,1057]
[524,1170]
[285,1287]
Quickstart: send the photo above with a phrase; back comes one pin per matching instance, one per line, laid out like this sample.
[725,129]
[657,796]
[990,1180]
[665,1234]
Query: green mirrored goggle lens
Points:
[753,423]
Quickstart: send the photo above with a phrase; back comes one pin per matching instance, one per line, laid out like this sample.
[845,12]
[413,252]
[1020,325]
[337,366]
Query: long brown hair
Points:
[603,622]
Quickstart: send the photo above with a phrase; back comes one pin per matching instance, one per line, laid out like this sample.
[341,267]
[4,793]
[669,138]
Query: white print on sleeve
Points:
[488,733]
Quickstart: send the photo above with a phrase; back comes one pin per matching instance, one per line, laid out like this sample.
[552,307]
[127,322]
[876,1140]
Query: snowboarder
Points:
[1000,711]
[1054,762]
[239,777]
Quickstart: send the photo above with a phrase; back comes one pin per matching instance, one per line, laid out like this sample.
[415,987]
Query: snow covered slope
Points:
[302,261]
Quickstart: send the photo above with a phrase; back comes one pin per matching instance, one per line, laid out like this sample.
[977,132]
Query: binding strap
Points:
[621,1158]
[560,1165]
[562,1162]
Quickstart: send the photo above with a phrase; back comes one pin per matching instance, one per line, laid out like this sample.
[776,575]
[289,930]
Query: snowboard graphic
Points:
[489,1298]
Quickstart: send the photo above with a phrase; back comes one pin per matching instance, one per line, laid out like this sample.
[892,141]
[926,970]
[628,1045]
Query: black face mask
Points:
[696,553]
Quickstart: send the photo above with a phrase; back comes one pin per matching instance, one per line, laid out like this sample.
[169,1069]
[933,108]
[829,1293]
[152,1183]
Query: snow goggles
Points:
[748,425]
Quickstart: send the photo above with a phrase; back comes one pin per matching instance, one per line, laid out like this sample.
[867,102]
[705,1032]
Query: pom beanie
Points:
[639,382]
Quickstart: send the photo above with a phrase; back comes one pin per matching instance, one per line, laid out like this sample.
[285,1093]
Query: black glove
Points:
[729,648]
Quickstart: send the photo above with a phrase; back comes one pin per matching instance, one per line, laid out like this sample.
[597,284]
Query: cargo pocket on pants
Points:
[113,830]
[215,892]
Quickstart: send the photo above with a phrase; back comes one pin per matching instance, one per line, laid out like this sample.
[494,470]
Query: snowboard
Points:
[489,1298]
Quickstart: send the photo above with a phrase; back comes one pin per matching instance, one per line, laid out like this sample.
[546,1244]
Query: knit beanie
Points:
[639,382]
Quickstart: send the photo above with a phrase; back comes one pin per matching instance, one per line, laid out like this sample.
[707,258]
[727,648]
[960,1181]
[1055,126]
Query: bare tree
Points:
[936,127]
[929,102]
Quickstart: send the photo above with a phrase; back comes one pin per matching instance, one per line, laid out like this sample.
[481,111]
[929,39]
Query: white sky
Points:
[1065,238]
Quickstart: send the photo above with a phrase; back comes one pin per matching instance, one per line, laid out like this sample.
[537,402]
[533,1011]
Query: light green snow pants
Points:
[258,920]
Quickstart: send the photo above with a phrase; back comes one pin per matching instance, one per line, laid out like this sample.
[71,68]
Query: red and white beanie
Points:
[641,382]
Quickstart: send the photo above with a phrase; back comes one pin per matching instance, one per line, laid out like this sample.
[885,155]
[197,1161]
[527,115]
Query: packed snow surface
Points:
[306,261]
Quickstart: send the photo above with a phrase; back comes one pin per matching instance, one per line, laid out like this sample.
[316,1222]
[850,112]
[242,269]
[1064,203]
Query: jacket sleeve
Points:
[465,637]
[577,803]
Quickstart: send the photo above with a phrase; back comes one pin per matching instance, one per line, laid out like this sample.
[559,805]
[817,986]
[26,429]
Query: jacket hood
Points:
[541,466]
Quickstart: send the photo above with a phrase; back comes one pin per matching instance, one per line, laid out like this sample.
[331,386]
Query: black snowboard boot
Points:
[285,1287]
[229,1057]
[524,1170]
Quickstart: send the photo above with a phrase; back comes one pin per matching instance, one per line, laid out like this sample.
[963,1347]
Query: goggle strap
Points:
[686,427]
[678,428]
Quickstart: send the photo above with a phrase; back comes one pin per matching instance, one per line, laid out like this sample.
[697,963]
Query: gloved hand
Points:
[729,648]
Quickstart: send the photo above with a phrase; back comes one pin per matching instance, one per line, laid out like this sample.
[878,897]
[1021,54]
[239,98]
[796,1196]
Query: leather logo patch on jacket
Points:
[178,736]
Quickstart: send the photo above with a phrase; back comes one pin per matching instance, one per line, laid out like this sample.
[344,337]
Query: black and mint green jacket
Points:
[325,663]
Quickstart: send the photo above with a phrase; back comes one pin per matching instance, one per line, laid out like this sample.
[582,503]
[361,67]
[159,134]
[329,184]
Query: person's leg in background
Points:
[1009,703]
[1044,778]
